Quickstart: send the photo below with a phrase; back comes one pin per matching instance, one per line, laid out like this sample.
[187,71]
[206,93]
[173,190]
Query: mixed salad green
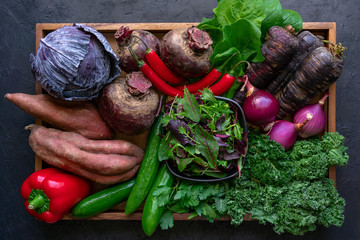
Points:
[202,135]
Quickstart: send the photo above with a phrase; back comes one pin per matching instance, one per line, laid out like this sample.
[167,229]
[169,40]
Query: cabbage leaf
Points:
[74,63]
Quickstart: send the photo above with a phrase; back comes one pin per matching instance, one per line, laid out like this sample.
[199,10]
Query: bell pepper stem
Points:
[38,201]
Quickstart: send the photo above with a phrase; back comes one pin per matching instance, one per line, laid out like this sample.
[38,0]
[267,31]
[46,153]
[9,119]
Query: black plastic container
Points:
[242,121]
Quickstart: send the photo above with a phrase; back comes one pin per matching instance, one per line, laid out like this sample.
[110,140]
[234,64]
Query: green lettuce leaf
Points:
[229,25]
[228,11]
[243,38]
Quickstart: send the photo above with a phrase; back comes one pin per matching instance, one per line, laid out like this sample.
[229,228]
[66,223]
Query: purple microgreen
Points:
[180,131]
[222,136]
[242,145]
[219,122]
[229,155]
[235,112]
[221,143]
[203,136]
[180,152]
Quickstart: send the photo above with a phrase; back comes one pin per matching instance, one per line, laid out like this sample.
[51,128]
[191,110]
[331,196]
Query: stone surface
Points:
[17,26]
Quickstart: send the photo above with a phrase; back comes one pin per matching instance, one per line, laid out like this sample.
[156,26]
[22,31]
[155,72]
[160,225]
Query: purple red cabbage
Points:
[74,63]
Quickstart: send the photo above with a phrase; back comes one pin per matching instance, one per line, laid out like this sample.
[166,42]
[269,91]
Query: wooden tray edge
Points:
[42,28]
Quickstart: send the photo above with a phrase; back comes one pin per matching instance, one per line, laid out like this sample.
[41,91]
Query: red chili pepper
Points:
[50,193]
[225,82]
[161,69]
[157,81]
[159,66]
[206,81]
[222,85]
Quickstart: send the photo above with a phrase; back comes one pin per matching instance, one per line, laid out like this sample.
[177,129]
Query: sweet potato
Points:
[98,178]
[98,160]
[80,117]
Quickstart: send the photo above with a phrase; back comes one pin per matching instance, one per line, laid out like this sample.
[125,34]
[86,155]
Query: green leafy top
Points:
[240,26]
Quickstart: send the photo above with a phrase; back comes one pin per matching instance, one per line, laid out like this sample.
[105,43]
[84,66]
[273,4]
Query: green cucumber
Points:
[148,169]
[103,200]
[152,213]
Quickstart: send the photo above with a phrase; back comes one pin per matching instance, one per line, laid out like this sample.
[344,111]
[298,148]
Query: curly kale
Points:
[297,208]
[290,190]
[266,160]
[313,157]
[307,204]
[296,198]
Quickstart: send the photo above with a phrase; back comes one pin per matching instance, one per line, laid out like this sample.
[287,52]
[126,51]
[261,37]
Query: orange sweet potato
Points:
[80,117]
[103,161]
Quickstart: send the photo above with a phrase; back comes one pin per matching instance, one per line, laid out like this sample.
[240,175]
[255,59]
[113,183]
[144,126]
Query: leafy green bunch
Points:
[240,26]
[202,135]
[289,190]
[205,200]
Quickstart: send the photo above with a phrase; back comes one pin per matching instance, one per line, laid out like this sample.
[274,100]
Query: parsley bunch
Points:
[199,199]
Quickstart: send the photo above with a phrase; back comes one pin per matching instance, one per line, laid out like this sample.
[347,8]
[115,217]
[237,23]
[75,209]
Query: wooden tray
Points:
[325,29]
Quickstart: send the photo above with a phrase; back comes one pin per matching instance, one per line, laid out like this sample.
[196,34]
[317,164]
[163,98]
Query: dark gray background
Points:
[17,29]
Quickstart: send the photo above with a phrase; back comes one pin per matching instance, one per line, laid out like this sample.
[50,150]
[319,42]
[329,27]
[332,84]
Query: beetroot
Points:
[187,51]
[129,105]
[124,39]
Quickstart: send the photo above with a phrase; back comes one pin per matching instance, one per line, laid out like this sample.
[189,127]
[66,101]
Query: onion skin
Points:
[317,124]
[284,133]
[260,107]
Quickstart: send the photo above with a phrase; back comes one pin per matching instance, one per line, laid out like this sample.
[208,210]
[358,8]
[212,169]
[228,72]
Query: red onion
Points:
[260,107]
[285,133]
[317,123]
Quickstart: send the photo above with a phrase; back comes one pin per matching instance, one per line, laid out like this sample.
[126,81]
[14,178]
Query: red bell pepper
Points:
[50,193]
